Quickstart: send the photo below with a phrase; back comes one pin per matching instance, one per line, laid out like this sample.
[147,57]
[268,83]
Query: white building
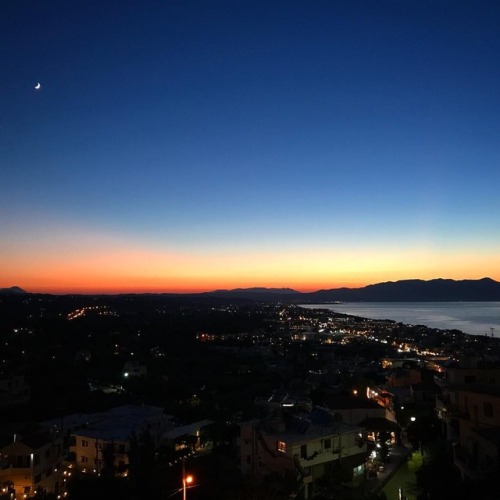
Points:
[109,433]
[32,462]
[309,446]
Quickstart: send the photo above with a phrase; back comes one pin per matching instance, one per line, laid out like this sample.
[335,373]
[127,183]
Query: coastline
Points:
[472,318]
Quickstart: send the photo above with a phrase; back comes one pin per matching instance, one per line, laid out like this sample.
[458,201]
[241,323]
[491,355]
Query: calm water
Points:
[476,318]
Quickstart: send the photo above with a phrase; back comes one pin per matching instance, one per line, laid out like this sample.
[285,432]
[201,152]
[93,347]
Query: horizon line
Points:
[290,290]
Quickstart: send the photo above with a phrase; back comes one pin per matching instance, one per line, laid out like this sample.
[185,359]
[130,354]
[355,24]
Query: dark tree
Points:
[144,470]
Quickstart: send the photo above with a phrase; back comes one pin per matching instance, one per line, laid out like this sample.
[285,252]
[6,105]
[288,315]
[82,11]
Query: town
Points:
[153,396]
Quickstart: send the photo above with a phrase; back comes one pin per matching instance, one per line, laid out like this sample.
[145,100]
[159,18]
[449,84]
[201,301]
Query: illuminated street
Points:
[403,479]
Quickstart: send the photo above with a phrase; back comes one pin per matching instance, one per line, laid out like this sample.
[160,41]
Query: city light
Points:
[186,480]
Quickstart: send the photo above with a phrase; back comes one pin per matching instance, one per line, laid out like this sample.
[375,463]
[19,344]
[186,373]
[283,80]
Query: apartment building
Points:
[470,371]
[308,445]
[105,440]
[32,463]
[477,453]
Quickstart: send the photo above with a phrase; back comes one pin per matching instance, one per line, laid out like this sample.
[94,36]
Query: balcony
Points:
[449,410]
[319,457]
[441,405]
[465,461]
[329,455]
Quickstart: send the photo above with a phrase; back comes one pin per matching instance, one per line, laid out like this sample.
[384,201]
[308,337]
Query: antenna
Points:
[492,330]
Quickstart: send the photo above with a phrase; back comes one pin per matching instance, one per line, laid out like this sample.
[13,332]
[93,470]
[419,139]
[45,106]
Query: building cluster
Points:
[42,458]
[341,395]
[469,407]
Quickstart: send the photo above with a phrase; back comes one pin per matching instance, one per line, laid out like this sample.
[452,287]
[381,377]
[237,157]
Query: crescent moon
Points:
[38,86]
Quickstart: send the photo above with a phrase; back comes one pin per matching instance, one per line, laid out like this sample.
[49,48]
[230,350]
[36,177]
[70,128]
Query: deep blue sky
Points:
[282,143]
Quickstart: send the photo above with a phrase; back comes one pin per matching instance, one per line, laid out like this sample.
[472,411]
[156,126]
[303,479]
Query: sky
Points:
[184,146]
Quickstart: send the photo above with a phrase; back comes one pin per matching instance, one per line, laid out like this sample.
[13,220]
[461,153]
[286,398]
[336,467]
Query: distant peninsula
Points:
[437,290]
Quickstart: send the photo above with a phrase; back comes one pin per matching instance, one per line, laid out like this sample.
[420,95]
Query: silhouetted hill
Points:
[257,293]
[438,290]
[12,290]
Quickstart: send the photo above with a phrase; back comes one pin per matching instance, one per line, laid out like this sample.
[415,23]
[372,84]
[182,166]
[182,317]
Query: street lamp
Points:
[185,481]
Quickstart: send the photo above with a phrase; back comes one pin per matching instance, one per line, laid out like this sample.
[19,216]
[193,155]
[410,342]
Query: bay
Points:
[475,318]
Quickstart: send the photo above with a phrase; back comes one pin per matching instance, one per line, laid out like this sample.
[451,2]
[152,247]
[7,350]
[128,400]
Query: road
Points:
[403,479]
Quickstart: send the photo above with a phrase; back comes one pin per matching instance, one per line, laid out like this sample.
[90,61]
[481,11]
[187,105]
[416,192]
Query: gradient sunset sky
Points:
[179,145]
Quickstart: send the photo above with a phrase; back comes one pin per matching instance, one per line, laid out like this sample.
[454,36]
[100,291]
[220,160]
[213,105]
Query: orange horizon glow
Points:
[98,265]
[188,287]
[181,288]
[90,286]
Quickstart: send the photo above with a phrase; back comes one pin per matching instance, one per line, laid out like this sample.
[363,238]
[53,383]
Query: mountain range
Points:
[436,290]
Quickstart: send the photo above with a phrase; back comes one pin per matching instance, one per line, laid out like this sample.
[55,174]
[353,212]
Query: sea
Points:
[474,318]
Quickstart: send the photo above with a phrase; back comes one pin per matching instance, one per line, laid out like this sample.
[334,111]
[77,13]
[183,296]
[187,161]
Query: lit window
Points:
[358,471]
[281,446]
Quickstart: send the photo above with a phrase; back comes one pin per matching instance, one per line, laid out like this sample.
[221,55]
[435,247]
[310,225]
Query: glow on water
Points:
[476,318]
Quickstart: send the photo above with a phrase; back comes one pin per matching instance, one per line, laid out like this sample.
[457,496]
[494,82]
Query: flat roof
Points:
[188,429]
[314,431]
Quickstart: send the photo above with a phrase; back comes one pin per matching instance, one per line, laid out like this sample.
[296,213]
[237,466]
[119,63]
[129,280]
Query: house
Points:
[354,409]
[470,371]
[189,436]
[403,377]
[134,369]
[307,445]
[105,440]
[32,462]
[424,393]
[14,391]
[477,454]
[282,399]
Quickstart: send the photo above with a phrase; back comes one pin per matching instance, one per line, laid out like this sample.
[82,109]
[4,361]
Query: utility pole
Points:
[185,479]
